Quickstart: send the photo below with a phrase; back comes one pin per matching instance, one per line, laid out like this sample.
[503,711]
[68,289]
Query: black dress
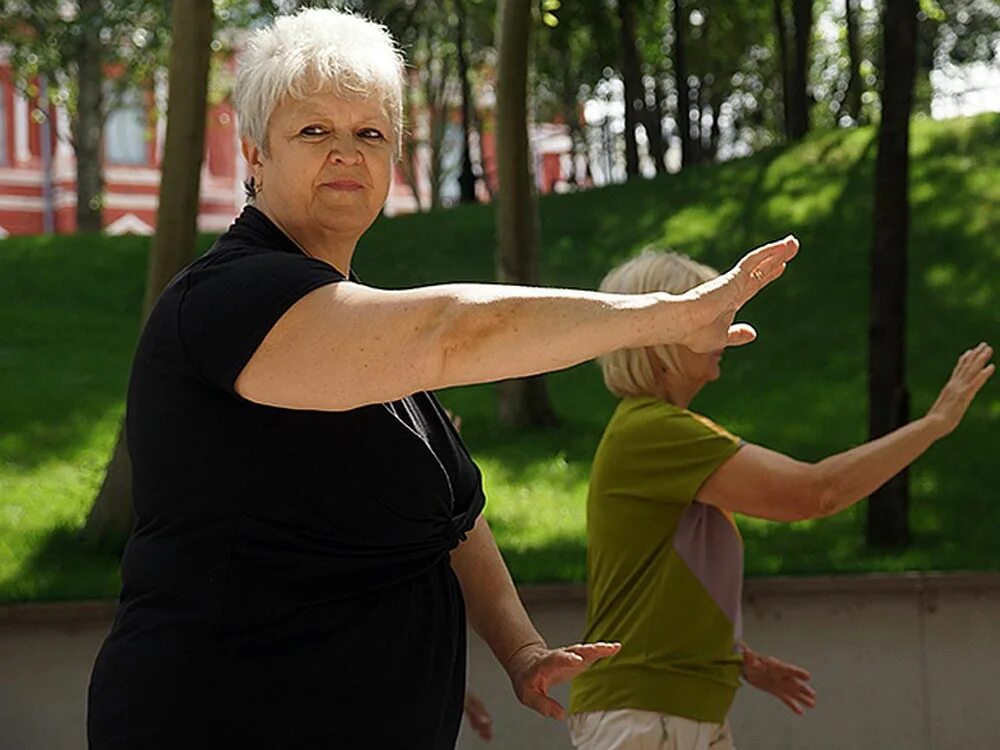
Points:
[287,584]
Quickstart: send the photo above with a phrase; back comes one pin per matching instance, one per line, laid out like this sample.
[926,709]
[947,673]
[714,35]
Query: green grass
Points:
[69,311]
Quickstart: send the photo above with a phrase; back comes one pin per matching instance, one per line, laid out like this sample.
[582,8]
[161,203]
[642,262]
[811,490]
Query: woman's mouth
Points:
[345,185]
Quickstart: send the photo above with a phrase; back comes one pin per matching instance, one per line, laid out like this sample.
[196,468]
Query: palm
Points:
[786,682]
[716,302]
[545,668]
[970,374]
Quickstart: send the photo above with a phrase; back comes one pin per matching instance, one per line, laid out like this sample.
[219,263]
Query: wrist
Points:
[674,318]
[934,426]
[522,657]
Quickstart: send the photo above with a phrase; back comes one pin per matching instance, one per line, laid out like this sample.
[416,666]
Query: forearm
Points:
[492,604]
[847,477]
[493,332]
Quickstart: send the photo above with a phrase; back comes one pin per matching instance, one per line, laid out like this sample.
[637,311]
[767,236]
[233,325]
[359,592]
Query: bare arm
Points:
[345,345]
[766,484]
[495,612]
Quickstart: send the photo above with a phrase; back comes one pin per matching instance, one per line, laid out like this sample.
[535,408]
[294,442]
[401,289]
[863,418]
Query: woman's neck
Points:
[332,249]
[680,393]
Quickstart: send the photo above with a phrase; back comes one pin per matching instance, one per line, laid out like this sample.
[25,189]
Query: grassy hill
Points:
[68,307]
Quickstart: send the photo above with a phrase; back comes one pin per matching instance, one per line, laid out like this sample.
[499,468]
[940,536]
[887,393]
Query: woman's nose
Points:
[344,151]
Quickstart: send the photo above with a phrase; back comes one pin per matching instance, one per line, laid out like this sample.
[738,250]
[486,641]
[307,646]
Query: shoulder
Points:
[654,417]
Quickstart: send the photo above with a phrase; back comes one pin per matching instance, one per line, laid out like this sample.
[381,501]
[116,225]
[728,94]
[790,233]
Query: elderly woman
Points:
[309,539]
[665,559]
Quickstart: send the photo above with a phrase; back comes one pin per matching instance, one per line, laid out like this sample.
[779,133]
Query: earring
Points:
[251,187]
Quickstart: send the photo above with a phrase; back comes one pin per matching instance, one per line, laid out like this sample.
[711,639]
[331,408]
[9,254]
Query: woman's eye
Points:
[371,134]
[312,131]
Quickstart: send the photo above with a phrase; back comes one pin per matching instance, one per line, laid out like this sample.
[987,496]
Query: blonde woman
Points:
[665,559]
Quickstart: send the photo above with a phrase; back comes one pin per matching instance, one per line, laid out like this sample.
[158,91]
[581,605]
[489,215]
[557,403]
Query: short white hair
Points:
[313,50]
[628,372]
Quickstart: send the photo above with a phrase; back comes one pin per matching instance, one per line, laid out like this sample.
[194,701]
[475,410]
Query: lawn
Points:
[69,309]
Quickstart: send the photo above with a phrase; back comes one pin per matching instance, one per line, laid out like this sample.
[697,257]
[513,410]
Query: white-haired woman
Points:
[665,559]
[308,540]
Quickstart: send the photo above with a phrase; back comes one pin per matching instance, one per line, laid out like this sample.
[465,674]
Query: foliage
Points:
[44,38]
[71,305]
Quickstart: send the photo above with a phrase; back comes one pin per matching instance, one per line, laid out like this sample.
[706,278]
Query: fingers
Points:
[591,652]
[799,673]
[740,334]
[972,361]
[780,251]
[546,706]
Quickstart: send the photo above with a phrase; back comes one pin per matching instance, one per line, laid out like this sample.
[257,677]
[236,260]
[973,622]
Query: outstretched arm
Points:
[766,484]
[495,612]
[345,345]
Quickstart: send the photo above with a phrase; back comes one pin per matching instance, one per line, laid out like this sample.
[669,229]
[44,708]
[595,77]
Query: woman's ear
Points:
[655,361]
[253,155]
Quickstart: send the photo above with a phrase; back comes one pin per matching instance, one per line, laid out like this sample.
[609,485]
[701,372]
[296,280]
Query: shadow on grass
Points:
[62,567]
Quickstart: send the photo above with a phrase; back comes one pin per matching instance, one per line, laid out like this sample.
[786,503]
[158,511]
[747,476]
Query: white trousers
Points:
[630,729]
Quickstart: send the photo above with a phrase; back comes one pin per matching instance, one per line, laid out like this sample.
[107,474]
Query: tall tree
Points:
[635,94]
[466,177]
[887,393]
[798,101]
[851,104]
[521,402]
[784,61]
[173,244]
[681,82]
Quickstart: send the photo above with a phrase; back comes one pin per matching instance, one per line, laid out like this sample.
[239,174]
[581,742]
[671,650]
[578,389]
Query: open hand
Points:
[971,372]
[786,682]
[534,669]
[717,301]
[477,716]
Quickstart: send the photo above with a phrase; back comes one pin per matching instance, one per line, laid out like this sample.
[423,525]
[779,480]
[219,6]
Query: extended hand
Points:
[969,375]
[717,301]
[786,682]
[535,669]
[478,717]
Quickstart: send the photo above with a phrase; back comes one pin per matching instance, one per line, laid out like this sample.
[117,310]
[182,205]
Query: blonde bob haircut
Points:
[629,372]
[314,50]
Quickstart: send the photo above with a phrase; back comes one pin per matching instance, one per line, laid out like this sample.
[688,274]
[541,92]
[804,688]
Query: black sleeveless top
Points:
[287,583]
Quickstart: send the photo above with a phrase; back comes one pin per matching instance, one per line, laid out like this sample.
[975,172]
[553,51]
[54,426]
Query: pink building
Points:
[38,167]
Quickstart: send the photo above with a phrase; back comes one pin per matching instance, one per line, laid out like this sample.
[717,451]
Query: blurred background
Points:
[870,129]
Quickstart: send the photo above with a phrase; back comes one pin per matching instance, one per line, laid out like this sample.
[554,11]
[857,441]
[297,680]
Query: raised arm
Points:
[766,484]
[346,345]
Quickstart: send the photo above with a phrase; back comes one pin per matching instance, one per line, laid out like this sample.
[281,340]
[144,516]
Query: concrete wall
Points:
[907,661]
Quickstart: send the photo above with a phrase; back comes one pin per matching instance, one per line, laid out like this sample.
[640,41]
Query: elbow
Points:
[822,496]
[815,495]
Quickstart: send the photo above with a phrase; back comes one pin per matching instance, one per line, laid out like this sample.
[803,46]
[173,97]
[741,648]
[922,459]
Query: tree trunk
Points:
[851,105]
[174,243]
[654,129]
[88,125]
[635,96]
[683,91]
[887,393]
[695,121]
[781,32]
[408,164]
[798,121]
[715,132]
[466,178]
[520,402]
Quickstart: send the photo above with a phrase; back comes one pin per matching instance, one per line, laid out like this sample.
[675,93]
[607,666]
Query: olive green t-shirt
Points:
[664,571]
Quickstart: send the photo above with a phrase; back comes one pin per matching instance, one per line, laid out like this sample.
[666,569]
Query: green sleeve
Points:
[656,451]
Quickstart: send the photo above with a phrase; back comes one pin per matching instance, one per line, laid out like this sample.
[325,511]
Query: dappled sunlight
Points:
[71,308]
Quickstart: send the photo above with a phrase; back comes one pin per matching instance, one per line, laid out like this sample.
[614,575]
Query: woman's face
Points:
[696,368]
[328,165]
